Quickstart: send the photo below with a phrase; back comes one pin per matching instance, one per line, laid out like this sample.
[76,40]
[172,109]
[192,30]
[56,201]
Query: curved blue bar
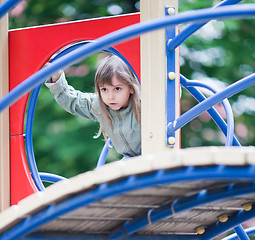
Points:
[241,233]
[141,181]
[31,111]
[75,46]
[29,139]
[211,101]
[7,6]
[214,114]
[51,178]
[104,153]
[126,33]
[117,53]
[234,236]
[226,104]
[188,31]
[220,228]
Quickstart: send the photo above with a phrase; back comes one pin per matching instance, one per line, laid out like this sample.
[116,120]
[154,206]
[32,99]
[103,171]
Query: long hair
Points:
[113,66]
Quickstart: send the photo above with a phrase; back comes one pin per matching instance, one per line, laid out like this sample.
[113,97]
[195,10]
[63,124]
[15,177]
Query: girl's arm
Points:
[73,101]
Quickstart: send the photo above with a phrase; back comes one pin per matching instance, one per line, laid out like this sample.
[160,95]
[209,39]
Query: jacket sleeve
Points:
[74,101]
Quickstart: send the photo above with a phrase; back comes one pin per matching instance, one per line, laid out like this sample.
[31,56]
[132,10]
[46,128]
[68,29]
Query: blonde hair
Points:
[113,66]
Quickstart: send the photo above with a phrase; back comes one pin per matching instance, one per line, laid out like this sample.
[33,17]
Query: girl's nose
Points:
[111,95]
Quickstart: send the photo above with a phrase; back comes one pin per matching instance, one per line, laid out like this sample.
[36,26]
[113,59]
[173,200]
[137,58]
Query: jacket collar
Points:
[122,112]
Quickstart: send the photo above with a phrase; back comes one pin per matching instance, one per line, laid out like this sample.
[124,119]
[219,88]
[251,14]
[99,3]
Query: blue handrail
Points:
[51,178]
[104,153]
[234,236]
[241,233]
[214,114]
[230,118]
[29,139]
[7,6]
[79,44]
[211,101]
[126,33]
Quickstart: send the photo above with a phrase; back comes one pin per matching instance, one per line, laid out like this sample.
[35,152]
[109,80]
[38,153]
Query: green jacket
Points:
[126,132]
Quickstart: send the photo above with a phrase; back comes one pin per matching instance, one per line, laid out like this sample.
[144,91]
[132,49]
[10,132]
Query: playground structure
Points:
[162,196]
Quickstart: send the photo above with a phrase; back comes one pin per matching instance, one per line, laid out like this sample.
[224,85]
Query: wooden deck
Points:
[104,216]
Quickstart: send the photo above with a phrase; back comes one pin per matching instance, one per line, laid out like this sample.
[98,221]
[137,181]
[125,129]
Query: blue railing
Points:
[7,6]
[235,236]
[50,178]
[208,103]
[228,130]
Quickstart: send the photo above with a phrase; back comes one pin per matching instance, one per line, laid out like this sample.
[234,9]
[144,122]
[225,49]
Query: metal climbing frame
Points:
[199,16]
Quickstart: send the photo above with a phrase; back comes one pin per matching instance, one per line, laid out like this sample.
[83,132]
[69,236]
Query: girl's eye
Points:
[117,88]
[103,89]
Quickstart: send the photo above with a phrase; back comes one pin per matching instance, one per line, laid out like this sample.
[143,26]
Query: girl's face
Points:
[116,95]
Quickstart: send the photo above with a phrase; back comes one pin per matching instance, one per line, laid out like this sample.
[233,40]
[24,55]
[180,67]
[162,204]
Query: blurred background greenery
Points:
[221,53]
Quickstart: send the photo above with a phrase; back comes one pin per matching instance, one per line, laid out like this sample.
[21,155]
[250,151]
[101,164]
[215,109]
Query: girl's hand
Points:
[55,76]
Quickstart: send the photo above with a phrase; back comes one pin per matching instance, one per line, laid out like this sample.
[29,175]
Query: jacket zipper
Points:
[122,135]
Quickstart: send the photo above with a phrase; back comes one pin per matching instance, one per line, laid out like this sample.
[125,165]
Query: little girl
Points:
[115,104]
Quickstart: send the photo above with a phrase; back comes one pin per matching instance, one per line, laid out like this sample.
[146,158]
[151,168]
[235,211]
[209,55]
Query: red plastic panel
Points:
[29,50]
[20,174]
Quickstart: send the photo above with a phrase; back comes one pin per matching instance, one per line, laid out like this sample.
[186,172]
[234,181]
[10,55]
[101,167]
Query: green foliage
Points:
[222,51]
[45,12]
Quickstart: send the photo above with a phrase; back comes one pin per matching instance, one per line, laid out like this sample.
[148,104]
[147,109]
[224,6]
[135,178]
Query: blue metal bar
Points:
[123,34]
[226,105]
[77,45]
[241,233]
[104,153]
[142,181]
[170,83]
[219,228]
[51,178]
[234,236]
[7,6]
[214,114]
[188,31]
[211,101]
[29,139]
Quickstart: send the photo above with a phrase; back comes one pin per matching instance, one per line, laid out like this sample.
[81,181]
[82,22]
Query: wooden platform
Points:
[106,216]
